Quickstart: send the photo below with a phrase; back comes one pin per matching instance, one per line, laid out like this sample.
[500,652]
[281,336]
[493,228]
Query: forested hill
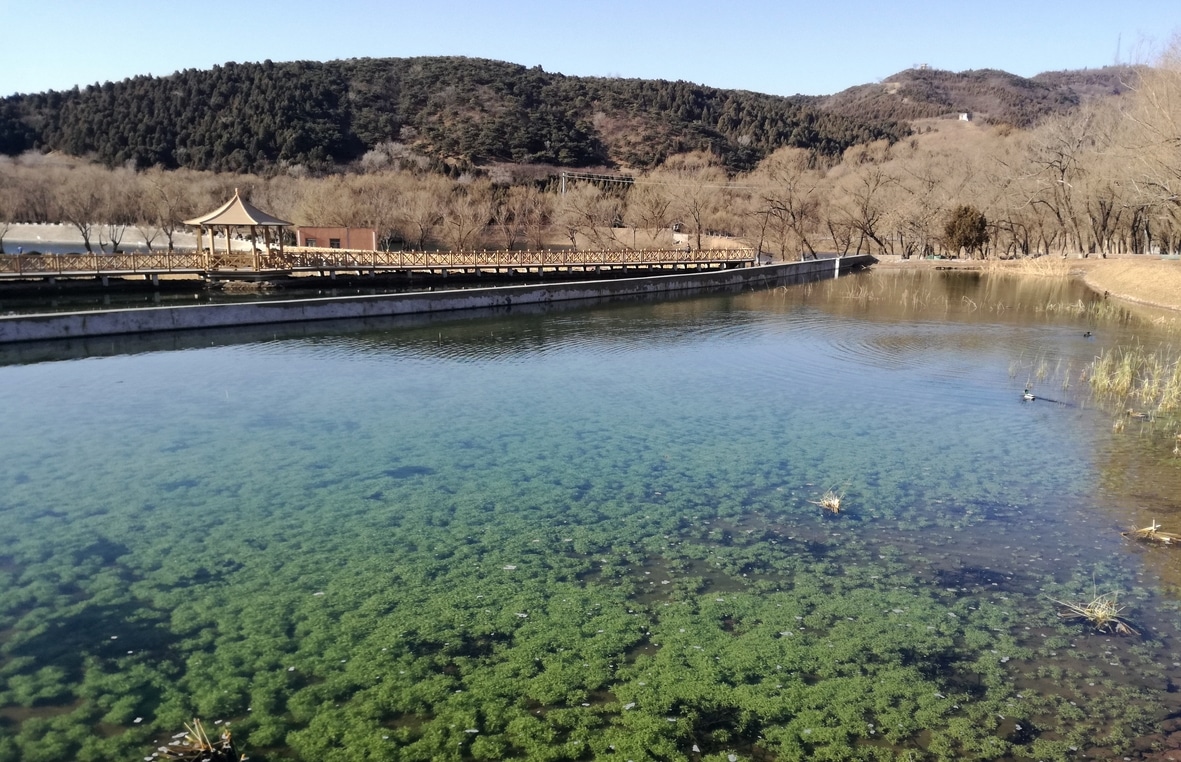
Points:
[452,111]
[991,96]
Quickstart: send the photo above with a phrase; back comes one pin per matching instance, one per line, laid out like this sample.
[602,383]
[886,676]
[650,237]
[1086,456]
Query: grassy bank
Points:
[1153,282]
[1138,279]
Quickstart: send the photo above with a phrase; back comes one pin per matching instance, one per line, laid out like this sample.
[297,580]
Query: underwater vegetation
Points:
[589,535]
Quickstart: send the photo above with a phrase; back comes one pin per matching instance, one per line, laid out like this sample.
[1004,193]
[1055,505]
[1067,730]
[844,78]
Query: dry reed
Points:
[1102,613]
[830,501]
[1152,380]
[194,745]
[1043,267]
[1152,533]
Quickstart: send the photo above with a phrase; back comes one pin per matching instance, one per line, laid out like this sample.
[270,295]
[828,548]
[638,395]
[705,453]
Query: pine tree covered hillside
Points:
[991,96]
[453,112]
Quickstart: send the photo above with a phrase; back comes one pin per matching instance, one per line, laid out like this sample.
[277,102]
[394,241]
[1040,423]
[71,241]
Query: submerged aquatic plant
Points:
[1102,613]
[1152,533]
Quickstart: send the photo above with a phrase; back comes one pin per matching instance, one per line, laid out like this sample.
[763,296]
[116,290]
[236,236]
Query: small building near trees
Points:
[364,239]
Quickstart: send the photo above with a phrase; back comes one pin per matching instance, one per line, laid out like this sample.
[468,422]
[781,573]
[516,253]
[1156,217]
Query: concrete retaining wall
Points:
[20,328]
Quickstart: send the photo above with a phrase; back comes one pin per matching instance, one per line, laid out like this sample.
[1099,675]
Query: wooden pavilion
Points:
[236,213]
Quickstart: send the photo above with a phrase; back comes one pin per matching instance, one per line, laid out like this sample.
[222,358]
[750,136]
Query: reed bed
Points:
[1149,380]
[1099,311]
[1044,267]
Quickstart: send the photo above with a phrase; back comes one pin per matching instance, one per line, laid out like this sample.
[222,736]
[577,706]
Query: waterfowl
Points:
[1028,396]
[1135,413]
[1088,335]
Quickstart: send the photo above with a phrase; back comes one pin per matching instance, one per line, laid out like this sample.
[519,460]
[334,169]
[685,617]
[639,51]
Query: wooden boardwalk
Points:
[303,260]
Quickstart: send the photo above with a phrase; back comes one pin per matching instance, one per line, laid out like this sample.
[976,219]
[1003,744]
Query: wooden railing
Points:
[306,258]
[74,264]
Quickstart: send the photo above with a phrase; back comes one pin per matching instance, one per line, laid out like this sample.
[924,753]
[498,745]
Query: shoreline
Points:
[1136,279]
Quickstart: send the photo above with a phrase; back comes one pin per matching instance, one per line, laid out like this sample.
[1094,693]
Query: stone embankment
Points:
[73,325]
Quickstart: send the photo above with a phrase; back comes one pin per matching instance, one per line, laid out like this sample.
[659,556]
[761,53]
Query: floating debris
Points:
[195,746]
[1152,533]
[1102,613]
[830,501]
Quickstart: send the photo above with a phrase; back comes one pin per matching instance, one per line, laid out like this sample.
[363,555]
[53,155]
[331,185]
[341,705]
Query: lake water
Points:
[593,534]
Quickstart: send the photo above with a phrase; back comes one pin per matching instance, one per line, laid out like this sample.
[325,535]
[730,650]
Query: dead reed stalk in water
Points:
[194,745]
[1152,533]
[830,500]
[1102,613]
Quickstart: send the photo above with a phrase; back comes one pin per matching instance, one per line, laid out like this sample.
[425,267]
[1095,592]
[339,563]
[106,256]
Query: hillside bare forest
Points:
[461,153]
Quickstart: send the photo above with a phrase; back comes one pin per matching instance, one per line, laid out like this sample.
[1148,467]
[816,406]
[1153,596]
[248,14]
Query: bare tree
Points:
[1058,153]
[466,217]
[422,208]
[508,214]
[38,200]
[80,198]
[168,201]
[117,211]
[537,206]
[1150,144]
[587,210]
[697,198]
[143,202]
[789,205]
[378,202]
[328,201]
[862,207]
[9,198]
[649,206]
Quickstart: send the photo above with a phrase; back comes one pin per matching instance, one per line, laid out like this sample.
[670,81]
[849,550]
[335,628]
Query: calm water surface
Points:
[592,534]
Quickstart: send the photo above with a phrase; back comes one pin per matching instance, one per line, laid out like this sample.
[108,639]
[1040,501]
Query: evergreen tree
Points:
[966,230]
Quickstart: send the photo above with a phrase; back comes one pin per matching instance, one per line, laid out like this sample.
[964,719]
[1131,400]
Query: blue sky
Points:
[784,47]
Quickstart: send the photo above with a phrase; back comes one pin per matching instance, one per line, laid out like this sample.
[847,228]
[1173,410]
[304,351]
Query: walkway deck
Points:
[247,266]
[83,325]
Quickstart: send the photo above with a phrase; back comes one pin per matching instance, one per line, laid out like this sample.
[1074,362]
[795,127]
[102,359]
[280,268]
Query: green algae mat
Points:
[593,534]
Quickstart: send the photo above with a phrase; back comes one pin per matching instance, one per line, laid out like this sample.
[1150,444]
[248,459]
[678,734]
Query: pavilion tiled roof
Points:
[238,212]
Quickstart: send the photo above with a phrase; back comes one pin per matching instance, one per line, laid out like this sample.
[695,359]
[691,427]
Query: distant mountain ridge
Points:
[990,95]
[455,113]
